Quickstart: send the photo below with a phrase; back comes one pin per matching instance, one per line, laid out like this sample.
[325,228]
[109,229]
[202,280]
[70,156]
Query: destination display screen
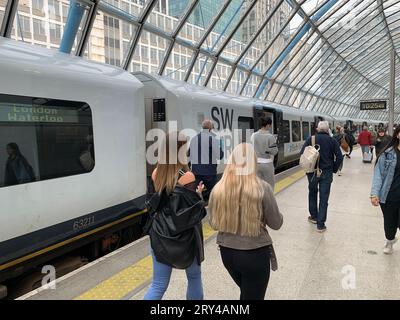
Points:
[373,105]
[24,109]
[159,114]
[29,113]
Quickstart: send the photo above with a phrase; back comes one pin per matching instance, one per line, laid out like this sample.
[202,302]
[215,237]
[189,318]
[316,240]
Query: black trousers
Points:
[391,219]
[350,148]
[250,269]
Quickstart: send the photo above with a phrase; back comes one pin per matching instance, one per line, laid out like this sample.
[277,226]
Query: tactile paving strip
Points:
[122,283]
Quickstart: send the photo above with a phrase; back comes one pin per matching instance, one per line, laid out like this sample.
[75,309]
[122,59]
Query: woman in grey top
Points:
[241,206]
[265,146]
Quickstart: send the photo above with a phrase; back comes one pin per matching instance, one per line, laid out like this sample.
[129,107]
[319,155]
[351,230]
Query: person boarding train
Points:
[264,143]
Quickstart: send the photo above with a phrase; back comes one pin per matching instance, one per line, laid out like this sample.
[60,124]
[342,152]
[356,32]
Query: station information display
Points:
[373,105]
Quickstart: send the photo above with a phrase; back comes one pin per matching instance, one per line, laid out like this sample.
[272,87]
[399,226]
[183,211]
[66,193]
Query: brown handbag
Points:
[344,145]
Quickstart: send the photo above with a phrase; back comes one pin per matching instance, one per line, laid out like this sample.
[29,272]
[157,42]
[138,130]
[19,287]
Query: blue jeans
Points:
[365,149]
[162,276]
[324,182]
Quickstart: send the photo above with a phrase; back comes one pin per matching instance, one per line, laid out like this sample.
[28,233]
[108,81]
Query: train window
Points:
[313,131]
[296,131]
[246,125]
[44,139]
[306,130]
[285,131]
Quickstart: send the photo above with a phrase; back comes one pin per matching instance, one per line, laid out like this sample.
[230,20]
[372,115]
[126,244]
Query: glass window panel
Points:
[296,131]
[225,23]
[160,20]
[354,23]
[219,76]
[297,98]
[251,86]
[55,33]
[273,38]
[200,70]
[198,21]
[273,91]
[109,39]
[136,6]
[3,4]
[41,24]
[236,82]
[178,62]
[251,24]
[54,10]
[301,64]
[285,131]
[148,56]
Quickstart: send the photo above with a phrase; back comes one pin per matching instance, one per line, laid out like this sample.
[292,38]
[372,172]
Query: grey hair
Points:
[207,124]
[323,126]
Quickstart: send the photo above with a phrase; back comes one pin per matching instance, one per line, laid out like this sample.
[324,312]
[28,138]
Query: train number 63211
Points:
[83,223]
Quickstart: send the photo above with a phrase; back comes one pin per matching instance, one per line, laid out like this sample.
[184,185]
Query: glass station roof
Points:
[317,55]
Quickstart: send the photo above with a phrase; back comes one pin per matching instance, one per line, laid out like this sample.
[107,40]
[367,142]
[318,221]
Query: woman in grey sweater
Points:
[266,149]
[241,206]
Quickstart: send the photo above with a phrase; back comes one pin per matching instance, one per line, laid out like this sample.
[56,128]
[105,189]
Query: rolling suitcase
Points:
[368,156]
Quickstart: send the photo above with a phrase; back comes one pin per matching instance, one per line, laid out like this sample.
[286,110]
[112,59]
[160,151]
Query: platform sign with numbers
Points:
[373,105]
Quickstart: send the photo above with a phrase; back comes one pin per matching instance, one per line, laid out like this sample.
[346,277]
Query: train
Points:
[74,132]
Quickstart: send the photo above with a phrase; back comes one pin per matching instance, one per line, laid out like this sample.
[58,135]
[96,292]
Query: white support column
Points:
[392,90]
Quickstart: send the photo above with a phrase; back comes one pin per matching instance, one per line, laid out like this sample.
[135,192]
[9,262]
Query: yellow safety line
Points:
[138,274]
[284,183]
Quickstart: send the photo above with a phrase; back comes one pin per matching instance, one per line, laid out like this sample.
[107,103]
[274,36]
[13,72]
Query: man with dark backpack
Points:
[351,140]
[330,158]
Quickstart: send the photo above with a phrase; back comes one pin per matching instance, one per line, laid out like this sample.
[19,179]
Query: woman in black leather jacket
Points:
[176,211]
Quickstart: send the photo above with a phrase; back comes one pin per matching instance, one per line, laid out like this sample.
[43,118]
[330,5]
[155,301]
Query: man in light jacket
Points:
[266,149]
[330,159]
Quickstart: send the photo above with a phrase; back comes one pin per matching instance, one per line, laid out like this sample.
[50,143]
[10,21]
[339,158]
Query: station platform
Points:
[345,262]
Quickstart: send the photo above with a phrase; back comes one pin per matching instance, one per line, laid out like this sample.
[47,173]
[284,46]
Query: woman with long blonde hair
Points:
[240,207]
[176,211]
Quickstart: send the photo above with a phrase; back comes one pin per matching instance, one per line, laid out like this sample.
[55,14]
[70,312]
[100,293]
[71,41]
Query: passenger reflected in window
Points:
[86,158]
[18,169]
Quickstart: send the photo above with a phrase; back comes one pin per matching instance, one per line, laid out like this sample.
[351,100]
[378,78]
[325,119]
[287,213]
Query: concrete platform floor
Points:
[345,262]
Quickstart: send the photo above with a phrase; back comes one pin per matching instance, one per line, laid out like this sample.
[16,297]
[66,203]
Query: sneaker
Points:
[388,248]
[312,220]
[321,230]
[339,173]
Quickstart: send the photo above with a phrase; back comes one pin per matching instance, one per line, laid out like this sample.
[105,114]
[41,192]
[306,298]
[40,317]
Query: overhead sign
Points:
[373,105]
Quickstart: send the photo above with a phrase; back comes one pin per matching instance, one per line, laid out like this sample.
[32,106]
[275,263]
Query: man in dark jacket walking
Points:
[350,140]
[329,162]
[204,152]
[382,141]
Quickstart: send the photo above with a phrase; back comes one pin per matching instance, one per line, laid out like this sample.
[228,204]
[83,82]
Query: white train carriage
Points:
[184,106]
[79,127]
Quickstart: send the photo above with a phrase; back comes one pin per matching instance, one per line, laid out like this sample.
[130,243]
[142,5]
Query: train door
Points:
[314,125]
[277,118]
[246,126]
[261,111]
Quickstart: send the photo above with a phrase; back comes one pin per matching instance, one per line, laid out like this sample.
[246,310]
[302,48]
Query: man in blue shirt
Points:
[330,158]
[204,152]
